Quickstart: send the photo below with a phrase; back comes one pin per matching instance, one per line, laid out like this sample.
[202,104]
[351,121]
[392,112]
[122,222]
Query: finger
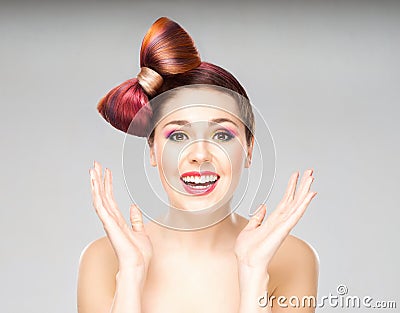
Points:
[136,218]
[98,169]
[108,184]
[109,195]
[97,201]
[306,174]
[100,204]
[299,212]
[291,188]
[101,183]
[304,189]
[257,218]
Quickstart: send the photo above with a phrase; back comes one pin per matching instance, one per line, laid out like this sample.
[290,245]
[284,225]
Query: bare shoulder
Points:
[294,254]
[297,260]
[100,250]
[293,251]
[298,250]
[98,258]
[98,267]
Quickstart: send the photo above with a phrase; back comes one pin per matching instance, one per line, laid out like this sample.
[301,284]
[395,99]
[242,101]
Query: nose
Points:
[199,152]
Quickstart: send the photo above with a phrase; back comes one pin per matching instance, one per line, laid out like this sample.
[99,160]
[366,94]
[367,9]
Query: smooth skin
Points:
[146,268]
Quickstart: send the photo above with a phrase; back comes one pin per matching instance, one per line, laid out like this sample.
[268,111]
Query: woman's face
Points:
[200,149]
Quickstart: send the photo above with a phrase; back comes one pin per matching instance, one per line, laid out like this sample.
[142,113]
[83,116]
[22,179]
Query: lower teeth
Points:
[201,187]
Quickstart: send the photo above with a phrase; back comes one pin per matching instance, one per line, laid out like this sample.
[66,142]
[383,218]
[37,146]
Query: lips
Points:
[197,183]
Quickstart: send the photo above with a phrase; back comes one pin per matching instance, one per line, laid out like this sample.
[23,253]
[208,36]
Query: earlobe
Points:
[249,154]
[153,161]
[248,162]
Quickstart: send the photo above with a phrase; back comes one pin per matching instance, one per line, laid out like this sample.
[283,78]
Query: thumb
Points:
[257,218]
[136,218]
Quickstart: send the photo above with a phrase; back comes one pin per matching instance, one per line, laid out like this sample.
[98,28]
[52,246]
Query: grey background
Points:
[325,75]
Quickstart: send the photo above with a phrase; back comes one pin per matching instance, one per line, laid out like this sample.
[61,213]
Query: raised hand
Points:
[131,244]
[257,243]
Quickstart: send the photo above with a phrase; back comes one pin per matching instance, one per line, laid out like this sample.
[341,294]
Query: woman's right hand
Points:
[132,245]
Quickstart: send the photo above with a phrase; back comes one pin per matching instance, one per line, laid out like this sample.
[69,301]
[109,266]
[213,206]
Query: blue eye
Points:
[223,136]
[178,136]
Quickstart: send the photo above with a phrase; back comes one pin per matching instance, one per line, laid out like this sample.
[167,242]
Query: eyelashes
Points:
[222,135]
[177,136]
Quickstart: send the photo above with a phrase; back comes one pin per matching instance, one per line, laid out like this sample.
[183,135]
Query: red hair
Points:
[170,51]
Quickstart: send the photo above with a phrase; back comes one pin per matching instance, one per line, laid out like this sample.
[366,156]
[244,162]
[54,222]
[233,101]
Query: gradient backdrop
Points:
[324,74]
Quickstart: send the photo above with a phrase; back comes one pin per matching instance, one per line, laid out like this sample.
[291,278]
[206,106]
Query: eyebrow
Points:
[215,120]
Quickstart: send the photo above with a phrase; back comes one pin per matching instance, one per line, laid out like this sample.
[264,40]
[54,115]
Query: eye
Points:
[178,136]
[223,136]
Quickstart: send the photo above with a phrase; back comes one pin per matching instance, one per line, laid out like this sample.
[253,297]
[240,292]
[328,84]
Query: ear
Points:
[153,159]
[249,153]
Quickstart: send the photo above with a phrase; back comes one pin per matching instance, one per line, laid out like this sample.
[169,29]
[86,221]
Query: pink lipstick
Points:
[196,183]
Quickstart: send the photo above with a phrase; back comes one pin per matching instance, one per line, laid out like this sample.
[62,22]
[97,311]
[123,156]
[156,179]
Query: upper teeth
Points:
[200,179]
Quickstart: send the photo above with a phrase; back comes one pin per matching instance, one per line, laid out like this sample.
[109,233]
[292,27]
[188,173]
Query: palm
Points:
[132,245]
[257,243]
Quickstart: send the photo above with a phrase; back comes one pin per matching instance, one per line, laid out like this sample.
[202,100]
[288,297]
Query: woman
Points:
[233,265]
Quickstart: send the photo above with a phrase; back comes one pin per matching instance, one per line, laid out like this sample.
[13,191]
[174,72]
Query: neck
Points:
[200,230]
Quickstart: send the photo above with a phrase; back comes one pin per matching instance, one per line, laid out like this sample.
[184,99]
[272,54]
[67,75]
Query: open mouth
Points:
[197,183]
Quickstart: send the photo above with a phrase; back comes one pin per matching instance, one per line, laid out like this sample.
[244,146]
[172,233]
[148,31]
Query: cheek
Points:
[168,156]
[234,157]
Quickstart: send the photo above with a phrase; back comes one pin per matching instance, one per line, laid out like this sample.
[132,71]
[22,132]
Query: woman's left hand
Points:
[257,243]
